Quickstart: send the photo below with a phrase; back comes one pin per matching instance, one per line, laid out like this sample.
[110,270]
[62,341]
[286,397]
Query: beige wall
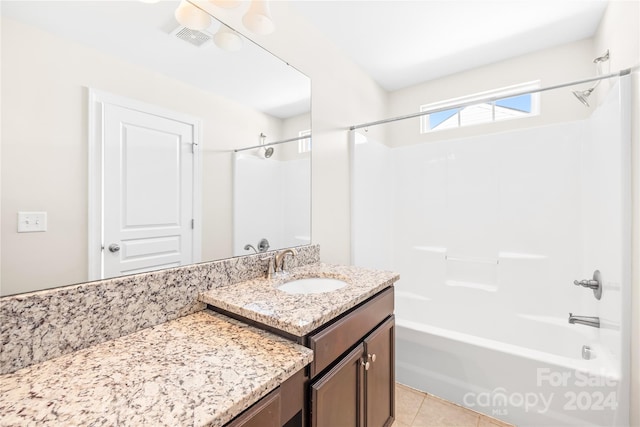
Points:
[0,157]
[292,127]
[342,95]
[44,143]
[553,66]
[620,33]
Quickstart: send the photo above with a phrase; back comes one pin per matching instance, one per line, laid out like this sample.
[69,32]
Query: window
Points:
[304,144]
[503,108]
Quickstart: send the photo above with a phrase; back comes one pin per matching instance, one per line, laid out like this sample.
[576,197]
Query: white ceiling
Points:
[402,43]
[398,43]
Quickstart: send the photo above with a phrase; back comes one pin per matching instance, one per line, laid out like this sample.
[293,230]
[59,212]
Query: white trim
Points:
[197,191]
[96,101]
[234,200]
[95,174]
[352,186]
[304,145]
[624,89]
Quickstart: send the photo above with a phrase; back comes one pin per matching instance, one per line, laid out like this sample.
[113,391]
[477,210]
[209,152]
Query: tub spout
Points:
[584,320]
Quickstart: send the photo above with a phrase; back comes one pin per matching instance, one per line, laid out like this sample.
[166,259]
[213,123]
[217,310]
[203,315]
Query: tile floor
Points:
[417,409]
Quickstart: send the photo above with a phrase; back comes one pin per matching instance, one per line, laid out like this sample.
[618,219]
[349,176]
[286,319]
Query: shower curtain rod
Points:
[490,99]
[273,143]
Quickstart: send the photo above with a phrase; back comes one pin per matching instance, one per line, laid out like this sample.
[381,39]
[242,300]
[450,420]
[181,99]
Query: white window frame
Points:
[505,92]
[304,145]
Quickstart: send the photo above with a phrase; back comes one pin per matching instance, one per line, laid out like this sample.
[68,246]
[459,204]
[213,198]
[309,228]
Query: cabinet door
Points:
[335,339]
[264,413]
[379,349]
[336,397]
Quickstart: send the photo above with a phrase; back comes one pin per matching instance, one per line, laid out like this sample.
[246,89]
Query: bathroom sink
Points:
[312,285]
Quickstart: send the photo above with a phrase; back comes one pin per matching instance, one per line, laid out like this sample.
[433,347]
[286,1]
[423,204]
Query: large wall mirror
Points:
[113,110]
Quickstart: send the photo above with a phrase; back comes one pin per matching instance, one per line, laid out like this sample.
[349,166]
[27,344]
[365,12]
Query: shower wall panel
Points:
[272,201]
[488,234]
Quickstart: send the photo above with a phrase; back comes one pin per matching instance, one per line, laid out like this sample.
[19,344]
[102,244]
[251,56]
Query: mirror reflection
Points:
[118,141]
[271,204]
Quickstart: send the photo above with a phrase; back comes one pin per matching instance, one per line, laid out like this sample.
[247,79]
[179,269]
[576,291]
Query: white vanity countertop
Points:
[261,301]
[198,370]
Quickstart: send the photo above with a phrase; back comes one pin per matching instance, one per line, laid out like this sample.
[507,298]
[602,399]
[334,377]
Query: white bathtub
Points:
[538,379]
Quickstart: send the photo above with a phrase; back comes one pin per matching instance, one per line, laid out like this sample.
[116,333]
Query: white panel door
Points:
[148,191]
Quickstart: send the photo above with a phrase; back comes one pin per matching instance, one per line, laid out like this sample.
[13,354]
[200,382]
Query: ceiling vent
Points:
[193,37]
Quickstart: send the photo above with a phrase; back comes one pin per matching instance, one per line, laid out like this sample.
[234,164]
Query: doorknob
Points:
[114,247]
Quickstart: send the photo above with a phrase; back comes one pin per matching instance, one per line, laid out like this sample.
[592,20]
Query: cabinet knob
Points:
[372,357]
[365,364]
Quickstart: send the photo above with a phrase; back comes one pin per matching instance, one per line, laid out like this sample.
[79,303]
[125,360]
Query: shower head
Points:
[582,95]
[603,58]
[268,152]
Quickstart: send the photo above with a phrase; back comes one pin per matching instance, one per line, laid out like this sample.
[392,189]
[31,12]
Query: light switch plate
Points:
[29,222]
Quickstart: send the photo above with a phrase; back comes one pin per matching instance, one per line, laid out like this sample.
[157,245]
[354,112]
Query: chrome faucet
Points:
[584,320]
[279,259]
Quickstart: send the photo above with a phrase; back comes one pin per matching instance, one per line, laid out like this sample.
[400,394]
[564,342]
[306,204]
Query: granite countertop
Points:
[259,300]
[198,370]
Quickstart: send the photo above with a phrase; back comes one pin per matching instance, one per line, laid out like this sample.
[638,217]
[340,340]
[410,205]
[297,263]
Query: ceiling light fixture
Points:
[258,18]
[227,39]
[192,17]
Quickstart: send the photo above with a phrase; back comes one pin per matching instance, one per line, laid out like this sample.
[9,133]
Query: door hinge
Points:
[193,224]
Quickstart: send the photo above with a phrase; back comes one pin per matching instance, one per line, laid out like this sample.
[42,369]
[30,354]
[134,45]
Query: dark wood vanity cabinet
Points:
[357,390]
[351,381]
[284,406]
[264,413]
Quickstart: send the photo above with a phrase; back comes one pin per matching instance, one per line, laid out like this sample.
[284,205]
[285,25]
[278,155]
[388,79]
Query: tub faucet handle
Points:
[592,284]
[595,284]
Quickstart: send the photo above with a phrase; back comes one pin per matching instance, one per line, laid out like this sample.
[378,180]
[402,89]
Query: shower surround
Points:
[271,199]
[488,234]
